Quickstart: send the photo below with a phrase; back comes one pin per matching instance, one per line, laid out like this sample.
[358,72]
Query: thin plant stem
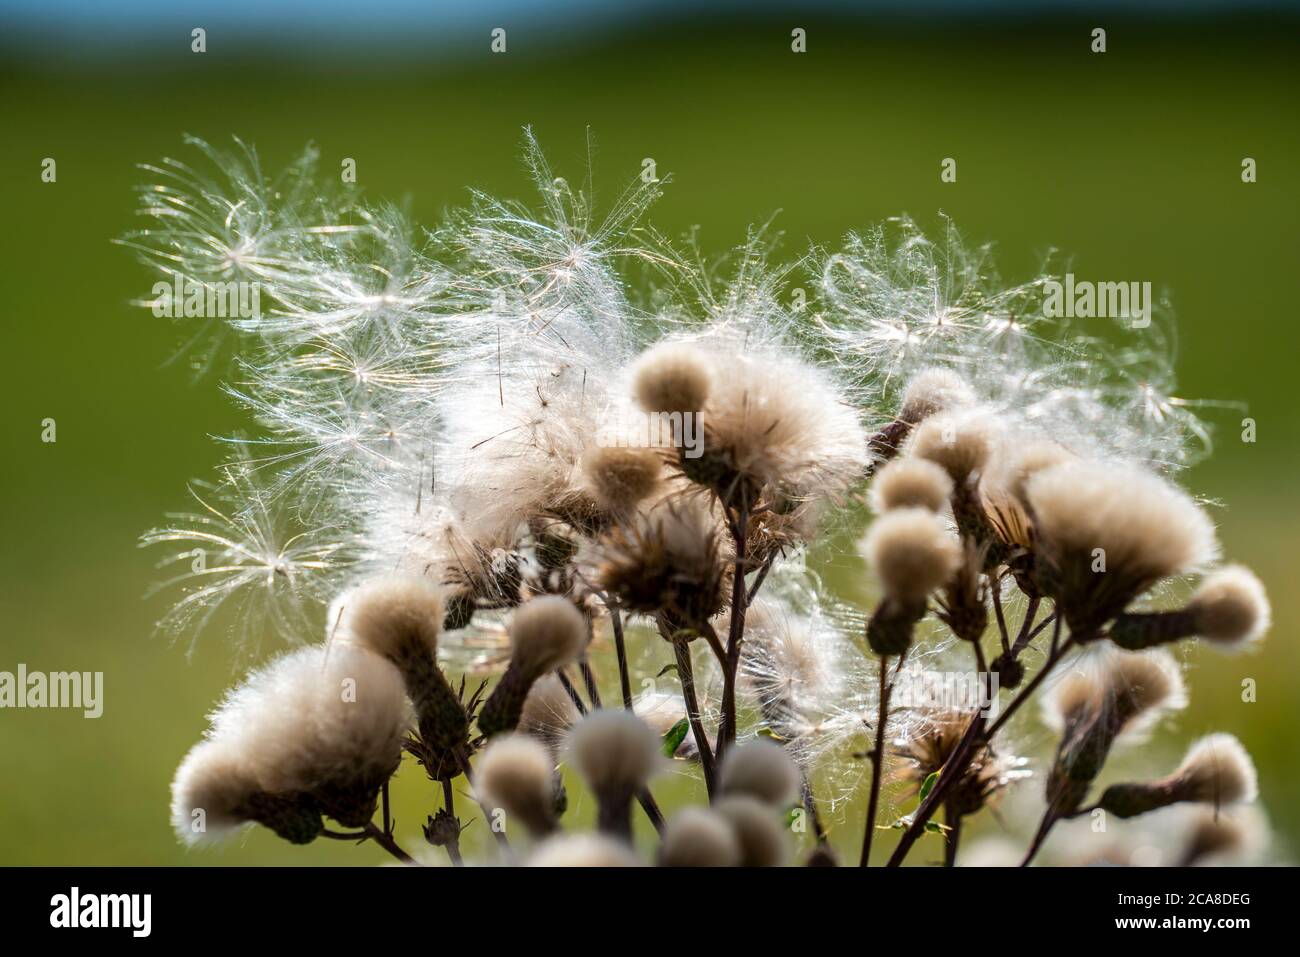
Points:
[736,633]
[686,673]
[572,692]
[995,590]
[877,758]
[959,761]
[620,646]
[385,840]
[589,681]
[953,835]
[449,805]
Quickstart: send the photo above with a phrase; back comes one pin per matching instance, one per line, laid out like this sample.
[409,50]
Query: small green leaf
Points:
[928,784]
[934,827]
[667,669]
[675,736]
[769,733]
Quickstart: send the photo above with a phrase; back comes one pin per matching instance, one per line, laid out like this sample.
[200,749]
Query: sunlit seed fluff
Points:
[1230,608]
[931,391]
[912,552]
[548,712]
[545,633]
[763,841]
[1148,528]
[700,837]
[1217,770]
[583,850]
[395,616]
[672,377]
[961,443]
[215,781]
[516,773]
[1135,689]
[619,478]
[1002,486]
[760,769]
[615,752]
[910,483]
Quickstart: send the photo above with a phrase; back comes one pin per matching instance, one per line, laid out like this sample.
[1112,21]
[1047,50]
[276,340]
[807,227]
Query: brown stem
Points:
[620,645]
[449,804]
[877,759]
[385,840]
[687,675]
[965,751]
[736,633]
[953,835]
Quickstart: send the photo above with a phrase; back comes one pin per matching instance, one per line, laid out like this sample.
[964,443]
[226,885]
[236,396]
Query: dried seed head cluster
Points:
[523,443]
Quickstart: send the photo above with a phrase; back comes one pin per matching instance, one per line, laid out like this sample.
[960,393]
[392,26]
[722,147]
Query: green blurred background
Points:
[1129,162]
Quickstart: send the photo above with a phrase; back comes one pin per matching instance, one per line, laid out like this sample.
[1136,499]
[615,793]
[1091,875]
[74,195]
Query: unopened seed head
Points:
[516,773]
[760,769]
[912,552]
[546,633]
[1218,770]
[395,616]
[910,483]
[931,391]
[959,442]
[763,841]
[583,850]
[215,781]
[619,478]
[615,752]
[1230,607]
[673,377]
[700,837]
[1147,528]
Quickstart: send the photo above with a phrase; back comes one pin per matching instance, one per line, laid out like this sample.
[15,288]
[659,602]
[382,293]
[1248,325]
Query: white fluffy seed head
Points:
[910,483]
[516,773]
[1218,770]
[912,553]
[1230,607]
[583,850]
[672,377]
[931,391]
[961,443]
[395,616]
[1148,528]
[548,712]
[545,633]
[700,837]
[615,752]
[1138,688]
[213,779]
[761,769]
[619,478]
[316,716]
[763,841]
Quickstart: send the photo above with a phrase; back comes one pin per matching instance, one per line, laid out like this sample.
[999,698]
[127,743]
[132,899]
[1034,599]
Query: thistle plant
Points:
[442,486]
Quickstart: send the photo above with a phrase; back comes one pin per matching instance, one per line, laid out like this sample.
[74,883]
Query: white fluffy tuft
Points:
[700,837]
[1230,607]
[583,850]
[912,552]
[761,769]
[615,752]
[516,774]
[910,483]
[1218,770]
[546,633]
